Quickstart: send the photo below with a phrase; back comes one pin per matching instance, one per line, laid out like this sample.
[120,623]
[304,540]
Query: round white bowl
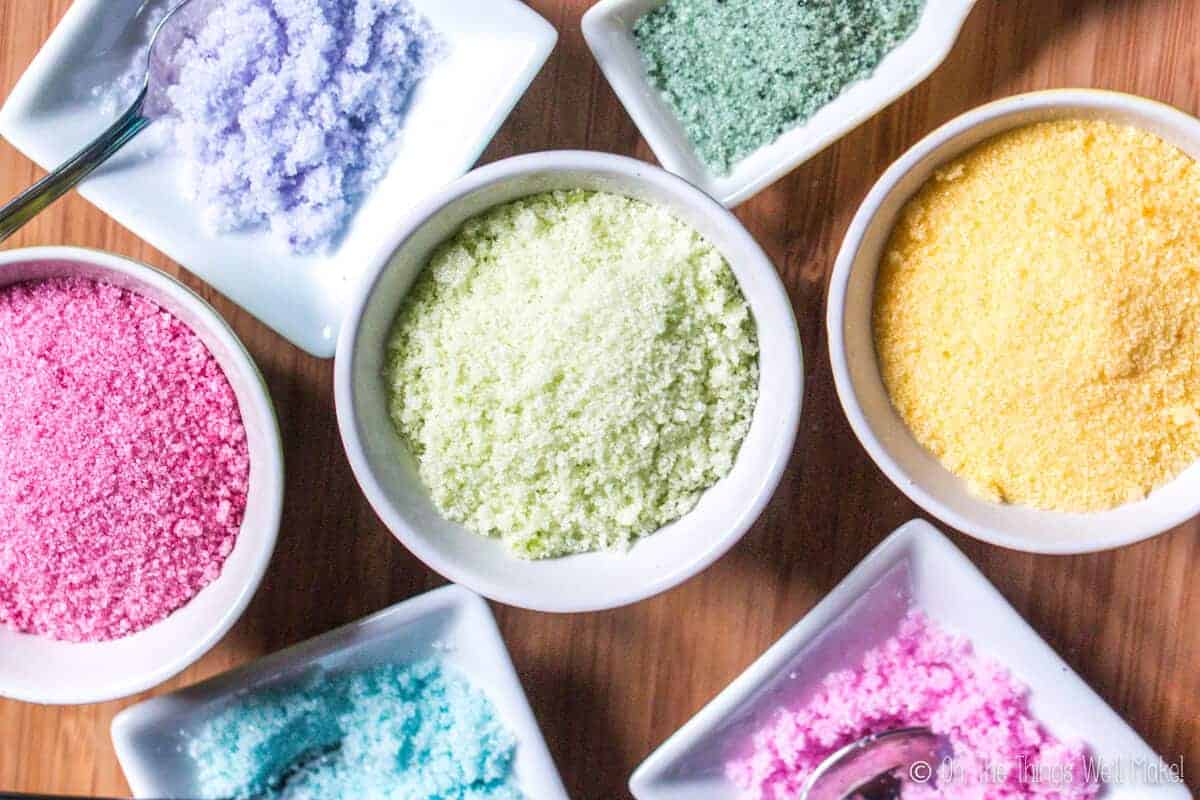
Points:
[852,350]
[387,472]
[40,670]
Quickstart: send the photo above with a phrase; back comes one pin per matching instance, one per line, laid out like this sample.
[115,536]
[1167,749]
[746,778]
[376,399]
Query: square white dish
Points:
[608,28]
[450,623]
[494,50]
[916,567]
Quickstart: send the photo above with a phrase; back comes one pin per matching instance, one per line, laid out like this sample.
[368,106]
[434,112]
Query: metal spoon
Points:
[867,769]
[147,107]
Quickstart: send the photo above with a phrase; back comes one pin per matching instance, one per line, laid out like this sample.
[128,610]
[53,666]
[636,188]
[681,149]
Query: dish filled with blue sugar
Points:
[390,732]
[288,112]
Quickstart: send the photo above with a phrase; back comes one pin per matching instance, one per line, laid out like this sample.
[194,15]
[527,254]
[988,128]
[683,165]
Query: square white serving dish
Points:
[608,28]
[494,51]
[916,567]
[450,623]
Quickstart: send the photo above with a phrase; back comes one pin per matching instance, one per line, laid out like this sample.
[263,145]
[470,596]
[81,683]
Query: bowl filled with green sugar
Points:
[571,381]
[734,94]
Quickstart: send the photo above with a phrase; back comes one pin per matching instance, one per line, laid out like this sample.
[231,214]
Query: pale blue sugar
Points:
[289,111]
[389,733]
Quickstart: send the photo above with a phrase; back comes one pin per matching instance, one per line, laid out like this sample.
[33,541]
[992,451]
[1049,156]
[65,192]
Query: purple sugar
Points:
[289,111]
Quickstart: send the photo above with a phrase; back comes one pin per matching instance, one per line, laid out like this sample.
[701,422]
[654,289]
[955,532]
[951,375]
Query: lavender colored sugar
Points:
[289,111]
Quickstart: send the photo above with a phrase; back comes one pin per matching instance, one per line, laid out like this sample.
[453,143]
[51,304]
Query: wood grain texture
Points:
[609,687]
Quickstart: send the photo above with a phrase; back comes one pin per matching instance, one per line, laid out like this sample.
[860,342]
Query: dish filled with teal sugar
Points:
[740,73]
[388,732]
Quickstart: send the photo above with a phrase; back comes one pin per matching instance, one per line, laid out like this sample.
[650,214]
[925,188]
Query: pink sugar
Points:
[922,676]
[124,469]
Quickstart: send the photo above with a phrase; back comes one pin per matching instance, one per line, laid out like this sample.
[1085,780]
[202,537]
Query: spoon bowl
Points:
[150,104]
[875,766]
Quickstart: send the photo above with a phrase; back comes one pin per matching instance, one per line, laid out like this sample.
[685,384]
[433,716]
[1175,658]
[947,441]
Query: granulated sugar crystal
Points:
[287,112]
[1037,317]
[739,73]
[572,371]
[922,676]
[124,470]
[415,732]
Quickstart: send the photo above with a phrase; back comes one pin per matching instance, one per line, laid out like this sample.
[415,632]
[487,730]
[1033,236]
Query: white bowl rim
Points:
[1082,99]
[344,390]
[216,326]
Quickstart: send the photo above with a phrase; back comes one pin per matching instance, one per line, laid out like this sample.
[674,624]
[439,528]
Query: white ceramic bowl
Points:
[593,581]
[608,28]
[494,51]
[915,568]
[851,343]
[449,624]
[40,670]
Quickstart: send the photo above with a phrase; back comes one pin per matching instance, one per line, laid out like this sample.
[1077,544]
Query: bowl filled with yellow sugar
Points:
[572,381]
[1014,321]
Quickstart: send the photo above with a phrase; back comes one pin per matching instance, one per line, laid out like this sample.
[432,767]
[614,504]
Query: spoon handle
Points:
[36,198]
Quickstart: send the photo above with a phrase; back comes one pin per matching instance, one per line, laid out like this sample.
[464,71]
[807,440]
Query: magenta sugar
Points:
[124,471]
[922,676]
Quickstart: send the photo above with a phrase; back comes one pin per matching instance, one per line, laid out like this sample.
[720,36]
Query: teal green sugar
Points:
[416,732]
[739,73]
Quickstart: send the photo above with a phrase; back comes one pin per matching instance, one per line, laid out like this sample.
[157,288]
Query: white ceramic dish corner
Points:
[39,670]
[450,624]
[494,50]
[852,350]
[594,581]
[915,568]
[608,27]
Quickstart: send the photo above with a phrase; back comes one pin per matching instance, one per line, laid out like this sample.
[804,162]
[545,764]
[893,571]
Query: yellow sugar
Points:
[1037,315]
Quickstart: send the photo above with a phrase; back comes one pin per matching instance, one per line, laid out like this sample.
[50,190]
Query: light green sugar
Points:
[738,73]
[572,371]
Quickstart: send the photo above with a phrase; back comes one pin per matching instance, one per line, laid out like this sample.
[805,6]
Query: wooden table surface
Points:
[609,687]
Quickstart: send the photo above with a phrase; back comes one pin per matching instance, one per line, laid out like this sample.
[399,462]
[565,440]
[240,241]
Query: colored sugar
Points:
[289,111]
[124,470]
[572,371]
[739,73]
[922,676]
[416,732]
[1036,315]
